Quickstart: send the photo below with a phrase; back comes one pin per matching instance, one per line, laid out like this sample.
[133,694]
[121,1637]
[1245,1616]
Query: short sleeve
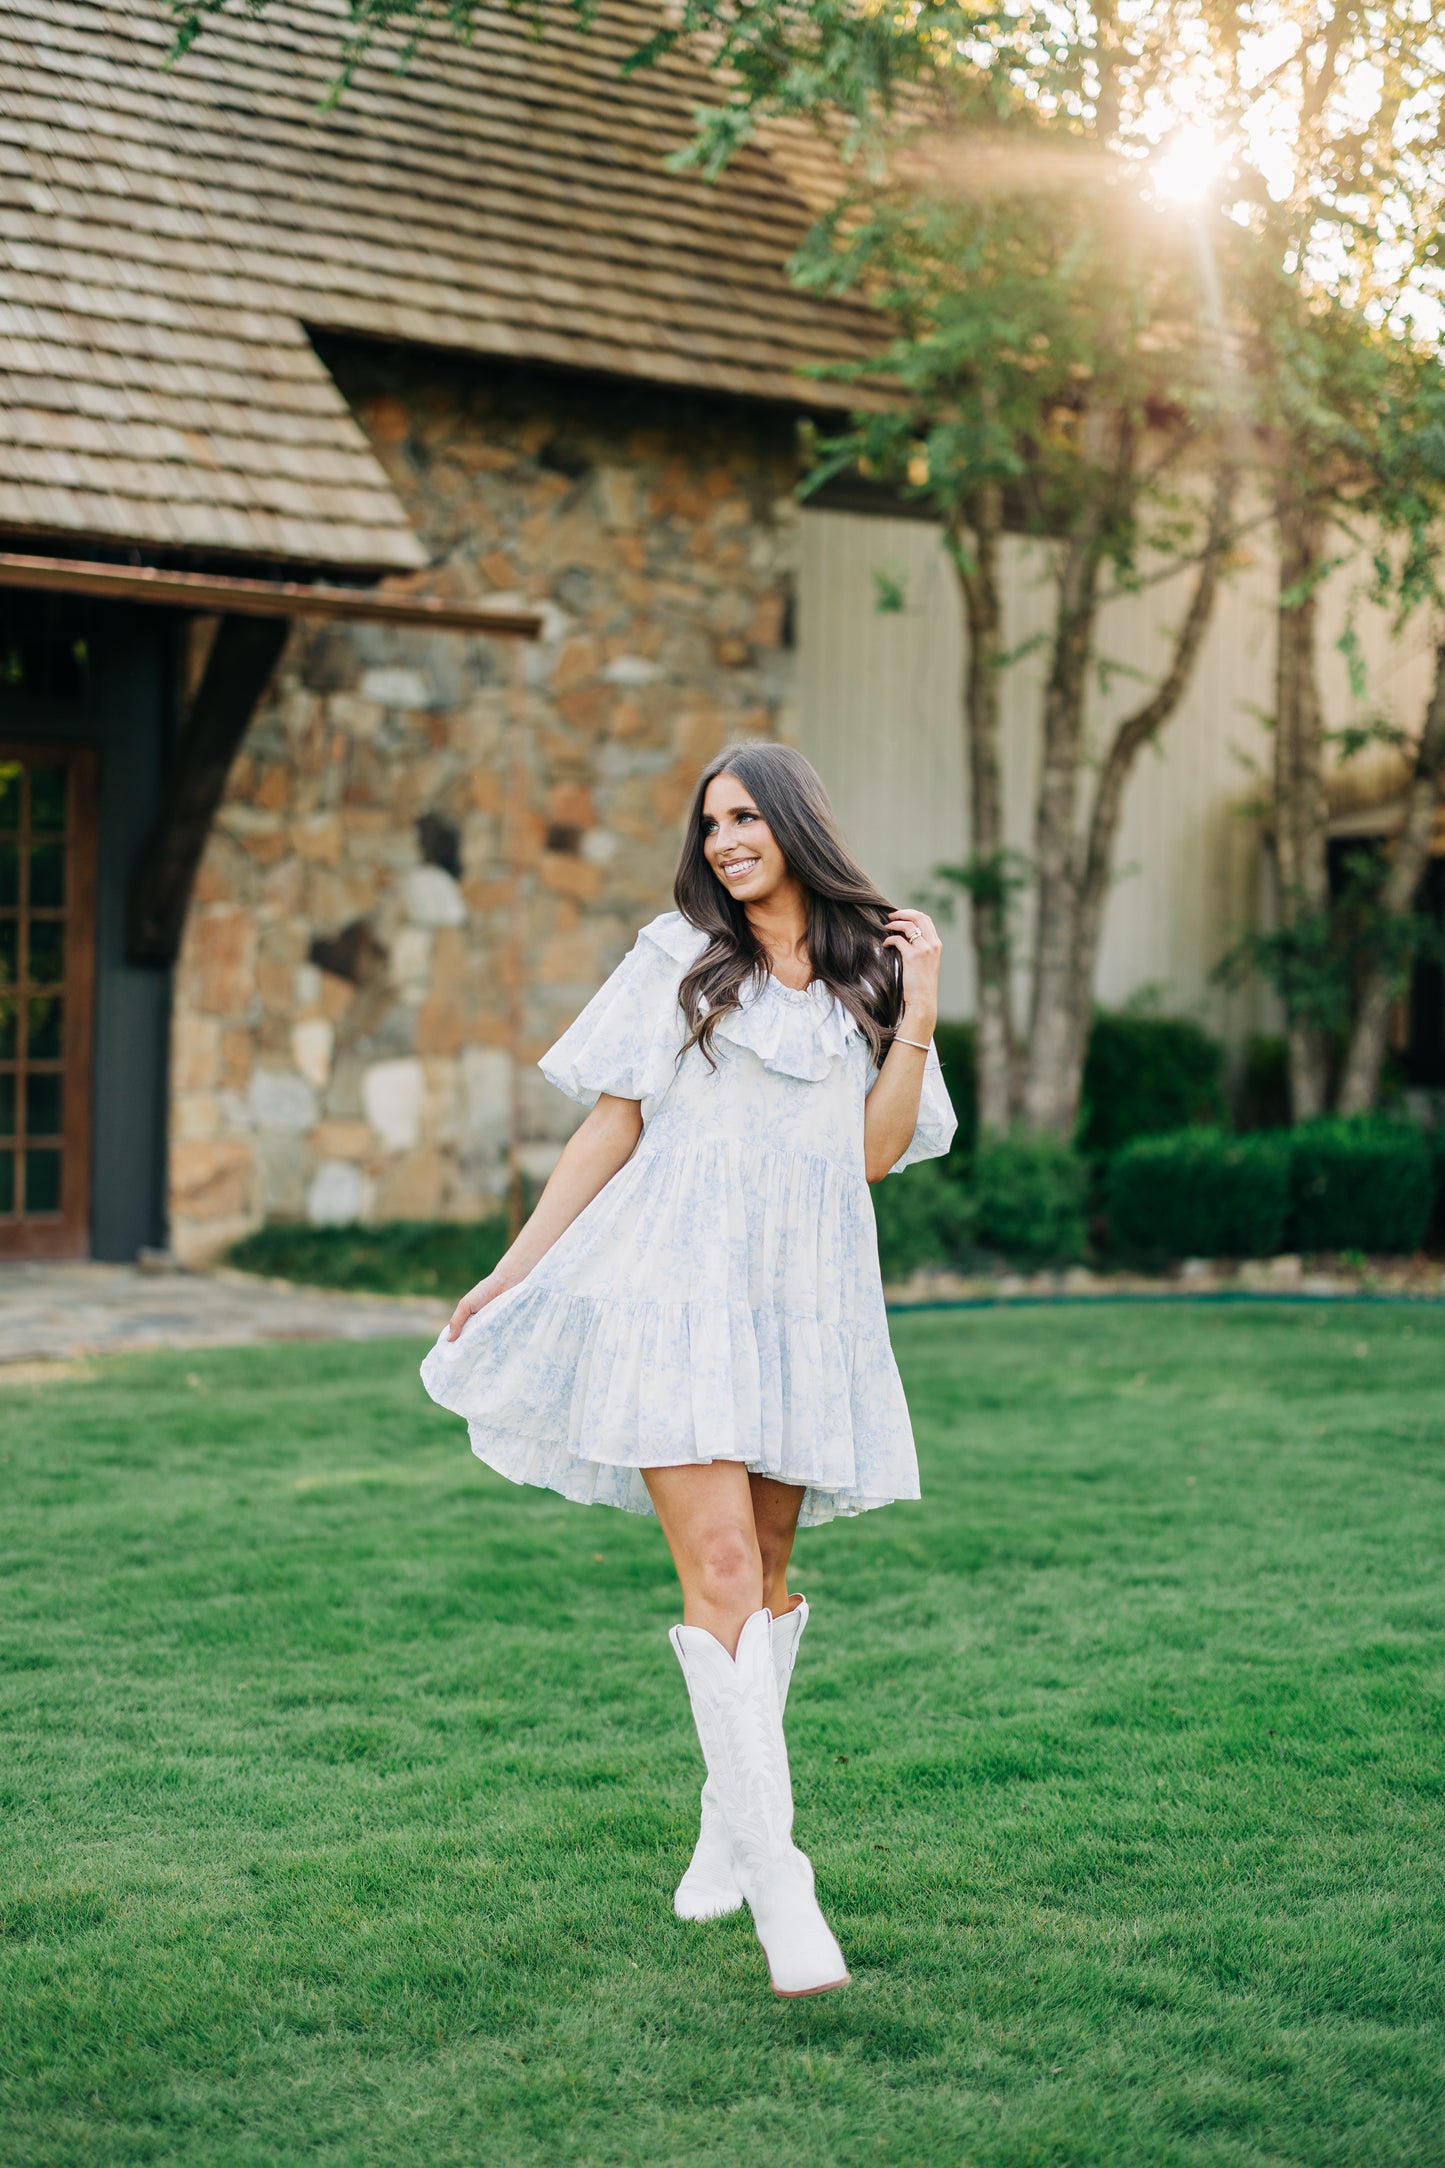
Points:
[933,1131]
[627,1038]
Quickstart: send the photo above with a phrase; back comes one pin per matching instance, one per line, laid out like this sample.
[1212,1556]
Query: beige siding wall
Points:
[878,711]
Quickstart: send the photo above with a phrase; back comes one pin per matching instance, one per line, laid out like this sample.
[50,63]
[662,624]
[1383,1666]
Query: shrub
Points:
[1200,1193]
[396,1257]
[954,1043]
[1029,1195]
[924,1218]
[1145,1075]
[1261,1096]
[1361,1185]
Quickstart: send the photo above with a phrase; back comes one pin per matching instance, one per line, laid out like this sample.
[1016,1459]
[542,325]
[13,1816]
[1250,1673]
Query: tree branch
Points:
[1176,565]
[1137,729]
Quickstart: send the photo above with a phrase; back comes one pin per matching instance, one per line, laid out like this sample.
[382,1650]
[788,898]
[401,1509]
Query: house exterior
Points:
[397,509]
[463,340]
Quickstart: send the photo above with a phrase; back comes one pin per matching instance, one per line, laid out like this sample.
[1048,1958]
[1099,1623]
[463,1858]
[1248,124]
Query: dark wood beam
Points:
[268,598]
[238,669]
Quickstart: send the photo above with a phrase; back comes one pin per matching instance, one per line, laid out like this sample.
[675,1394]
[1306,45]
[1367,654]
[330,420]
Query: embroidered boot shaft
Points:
[709,1887]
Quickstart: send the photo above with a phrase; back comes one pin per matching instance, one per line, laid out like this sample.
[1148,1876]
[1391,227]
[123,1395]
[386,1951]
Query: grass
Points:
[342,1787]
[395,1257]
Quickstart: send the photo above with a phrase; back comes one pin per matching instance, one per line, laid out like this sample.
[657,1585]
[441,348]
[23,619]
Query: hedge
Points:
[1145,1075]
[1327,1186]
[1200,1193]
[1029,1195]
[1261,1092]
[1361,1185]
[954,1044]
[923,1218]
[394,1257]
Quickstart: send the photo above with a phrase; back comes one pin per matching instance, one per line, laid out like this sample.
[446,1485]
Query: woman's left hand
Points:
[915,937]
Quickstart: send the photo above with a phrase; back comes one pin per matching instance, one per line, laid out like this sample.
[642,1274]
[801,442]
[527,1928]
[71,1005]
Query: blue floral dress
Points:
[720,1298]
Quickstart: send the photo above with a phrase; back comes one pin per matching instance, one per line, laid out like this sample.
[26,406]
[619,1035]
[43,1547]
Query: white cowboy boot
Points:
[735,1707]
[709,1887]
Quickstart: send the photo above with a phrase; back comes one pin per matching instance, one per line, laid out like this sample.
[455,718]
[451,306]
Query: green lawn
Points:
[344,1786]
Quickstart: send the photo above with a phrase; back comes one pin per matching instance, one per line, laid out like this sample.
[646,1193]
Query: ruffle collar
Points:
[676,936]
[794,1031]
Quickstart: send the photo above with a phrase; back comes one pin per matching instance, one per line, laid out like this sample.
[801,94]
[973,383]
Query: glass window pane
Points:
[9,876]
[7,1181]
[42,1105]
[7,1106]
[47,951]
[9,950]
[43,1035]
[42,1181]
[47,799]
[8,1006]
[47,877]
[10,772]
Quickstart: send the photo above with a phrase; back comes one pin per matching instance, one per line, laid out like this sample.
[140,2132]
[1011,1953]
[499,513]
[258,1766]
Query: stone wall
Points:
[342,1027]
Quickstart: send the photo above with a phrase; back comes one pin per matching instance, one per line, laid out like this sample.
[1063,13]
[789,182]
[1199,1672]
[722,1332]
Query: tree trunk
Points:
[1301,812]
[1050,1094]
[975,557]
[1132,735]
[1051,1082]
[1360,1084]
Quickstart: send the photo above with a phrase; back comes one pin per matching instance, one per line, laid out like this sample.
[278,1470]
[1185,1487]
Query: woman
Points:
[692,1322]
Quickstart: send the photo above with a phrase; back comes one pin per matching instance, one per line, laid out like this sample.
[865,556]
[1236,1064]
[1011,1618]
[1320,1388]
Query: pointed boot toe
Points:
[801,1949]
[709,1888]
[698,1899]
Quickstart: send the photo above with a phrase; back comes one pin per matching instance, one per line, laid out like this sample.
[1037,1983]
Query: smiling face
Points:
[738,843]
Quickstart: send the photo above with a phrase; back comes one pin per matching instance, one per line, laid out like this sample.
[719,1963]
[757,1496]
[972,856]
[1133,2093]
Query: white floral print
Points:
[720,1298]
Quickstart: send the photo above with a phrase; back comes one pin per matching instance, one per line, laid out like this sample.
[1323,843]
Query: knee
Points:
[729,1567]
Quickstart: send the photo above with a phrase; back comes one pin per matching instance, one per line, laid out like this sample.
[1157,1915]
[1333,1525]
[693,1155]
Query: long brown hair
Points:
[847,915]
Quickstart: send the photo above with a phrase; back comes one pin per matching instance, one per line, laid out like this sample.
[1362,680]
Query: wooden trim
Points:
[266,598]
[238,669]
[80,916]
[67,1232]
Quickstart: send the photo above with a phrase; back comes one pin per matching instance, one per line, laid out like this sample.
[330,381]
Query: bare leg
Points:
[775,1517]
[707,1517]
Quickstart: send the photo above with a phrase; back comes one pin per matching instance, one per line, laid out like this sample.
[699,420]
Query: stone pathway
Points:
[54,1313]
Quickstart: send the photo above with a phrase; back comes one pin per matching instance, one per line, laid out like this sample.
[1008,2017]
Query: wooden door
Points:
[47,975]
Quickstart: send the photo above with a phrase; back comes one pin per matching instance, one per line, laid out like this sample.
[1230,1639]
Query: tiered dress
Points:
[720,1298]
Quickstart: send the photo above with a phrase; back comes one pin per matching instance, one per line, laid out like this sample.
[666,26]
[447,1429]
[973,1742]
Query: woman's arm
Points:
[890,1113]
[592,1155]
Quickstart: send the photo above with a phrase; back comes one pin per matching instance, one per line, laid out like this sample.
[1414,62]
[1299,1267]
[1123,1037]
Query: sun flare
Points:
[1186,166]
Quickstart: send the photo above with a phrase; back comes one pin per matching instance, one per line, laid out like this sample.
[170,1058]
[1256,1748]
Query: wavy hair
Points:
[847,915]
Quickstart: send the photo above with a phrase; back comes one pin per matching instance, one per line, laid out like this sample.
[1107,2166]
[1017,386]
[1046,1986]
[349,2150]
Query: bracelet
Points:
[899,1040]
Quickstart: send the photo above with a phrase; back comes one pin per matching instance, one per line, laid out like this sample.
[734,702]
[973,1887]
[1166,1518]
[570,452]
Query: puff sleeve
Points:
[933,1132]
[627,1038]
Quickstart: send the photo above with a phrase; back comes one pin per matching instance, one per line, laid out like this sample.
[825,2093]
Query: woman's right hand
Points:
[485,1291]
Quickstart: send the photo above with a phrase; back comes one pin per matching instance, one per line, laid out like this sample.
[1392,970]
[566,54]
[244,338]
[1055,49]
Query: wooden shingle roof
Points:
[166,237]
